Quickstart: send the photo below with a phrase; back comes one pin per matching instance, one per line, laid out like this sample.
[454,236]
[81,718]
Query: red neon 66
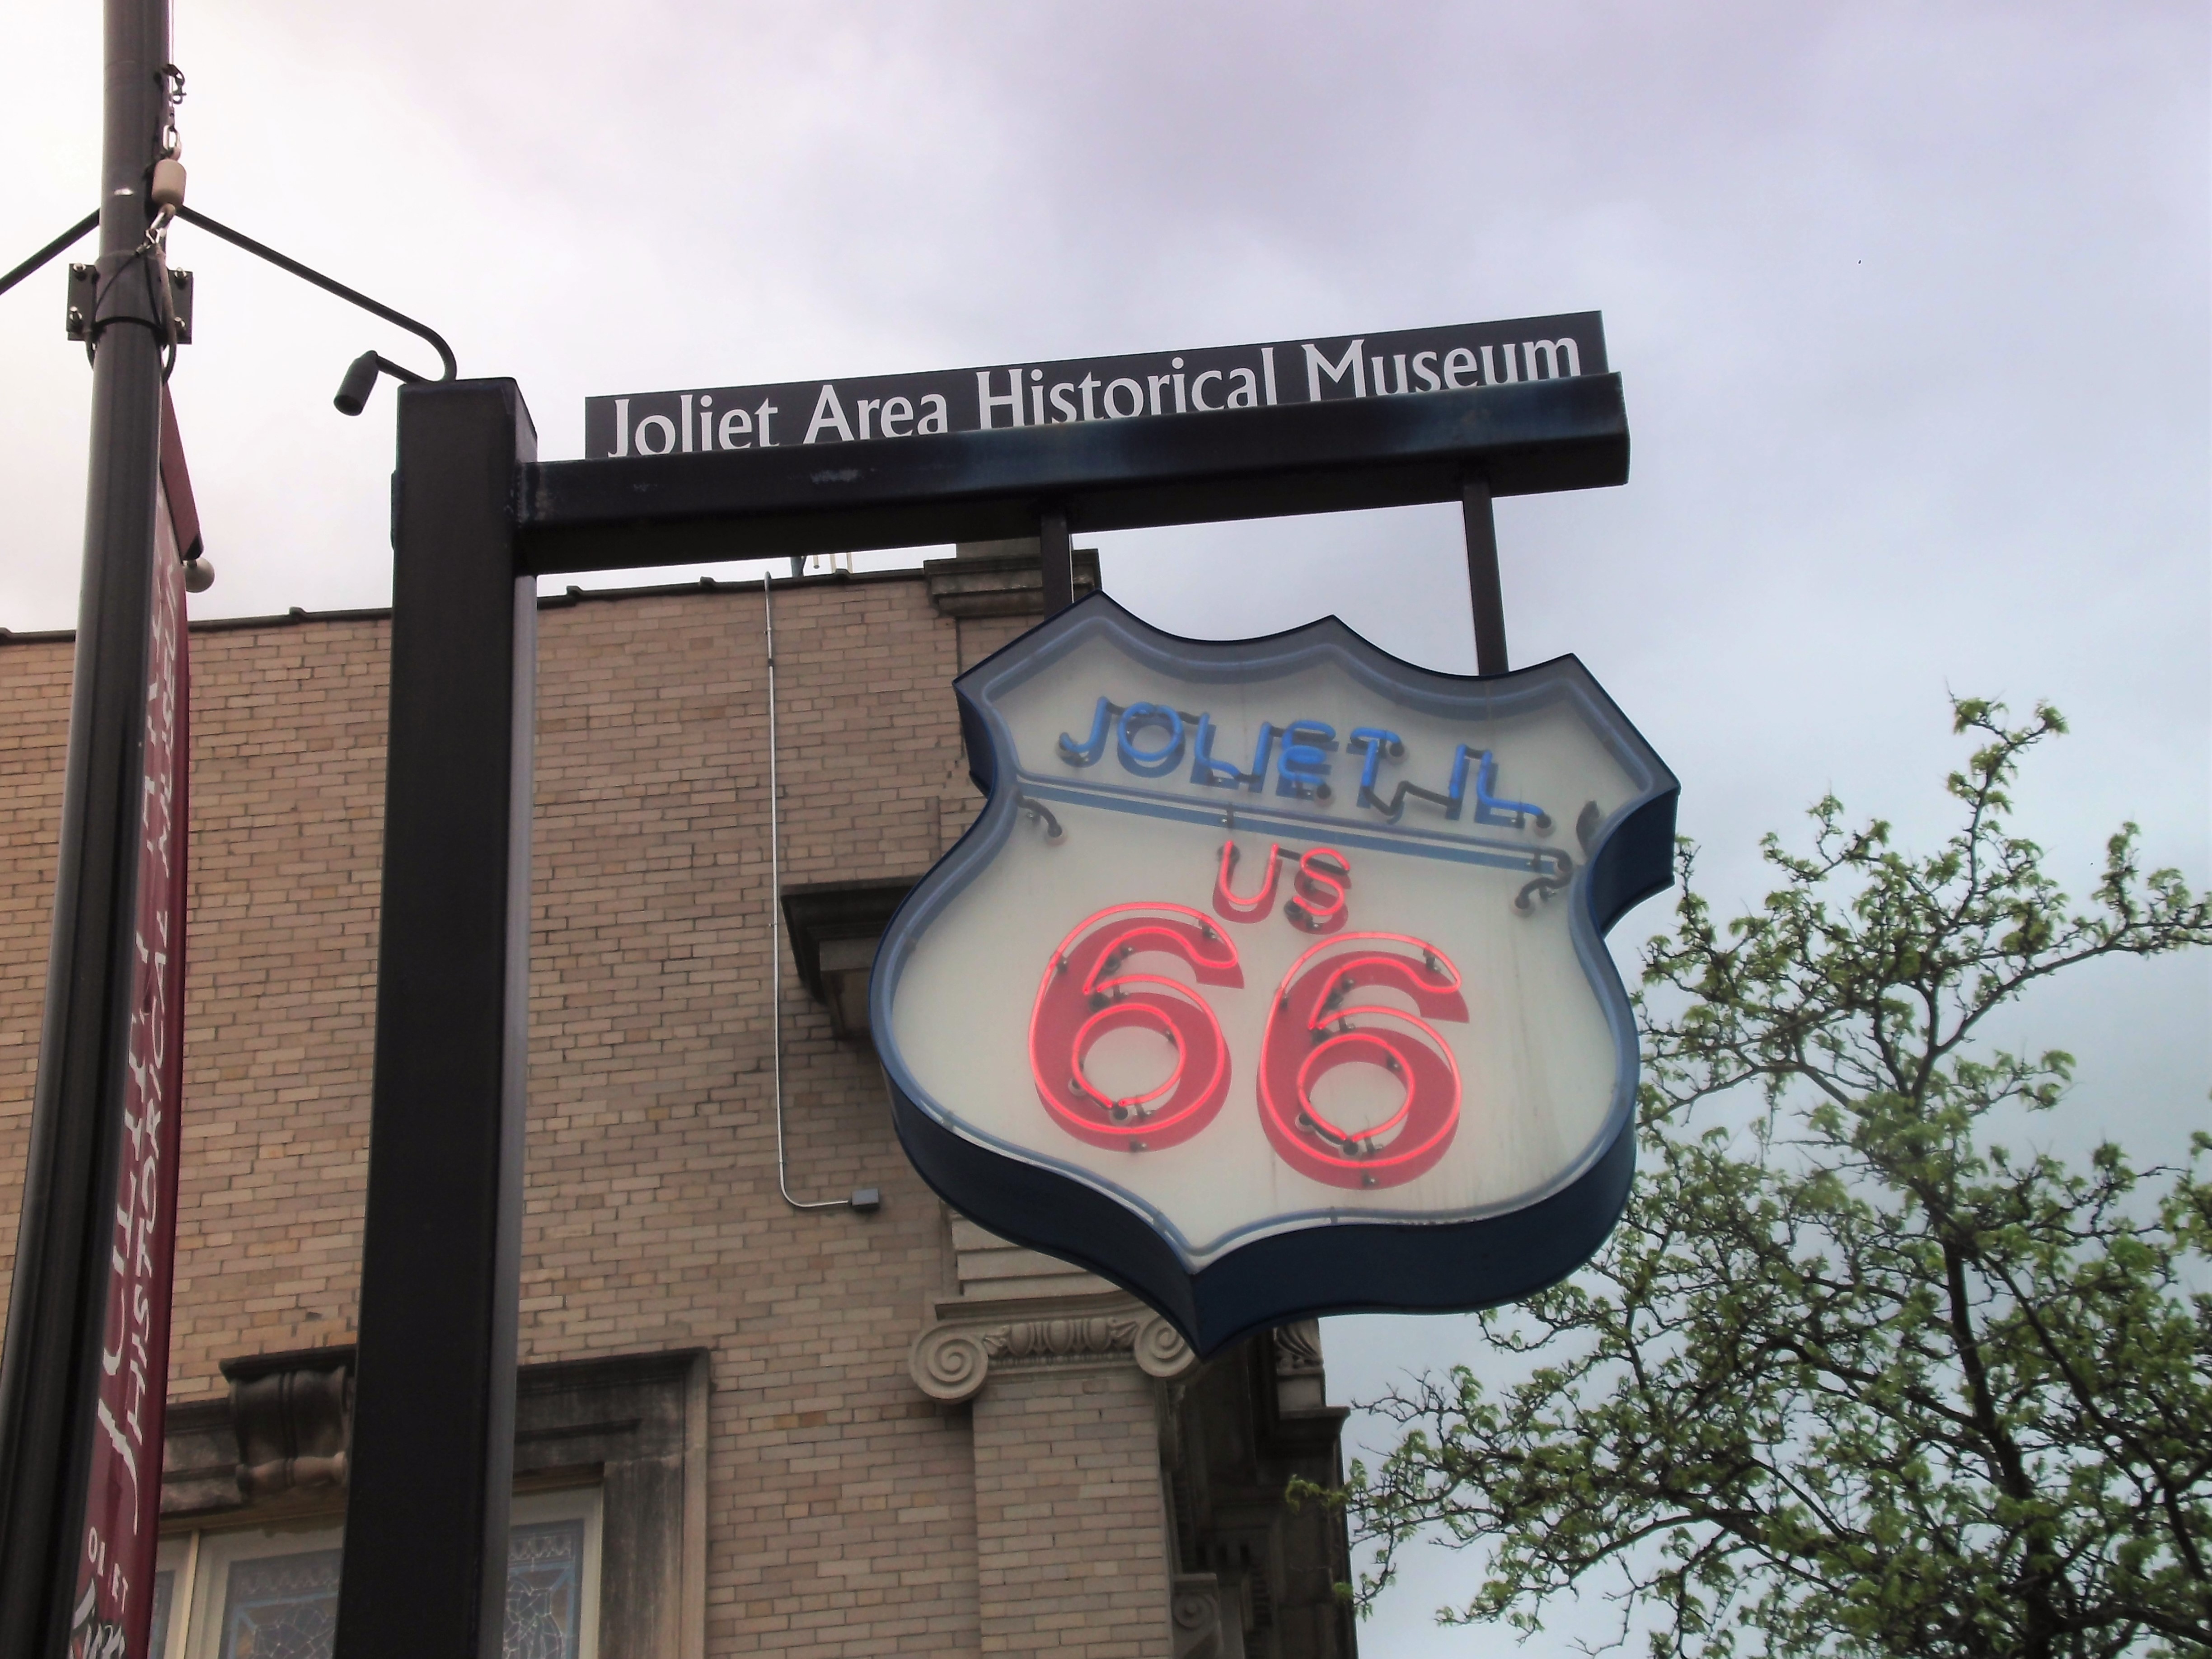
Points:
[1321,1017]
[1319,1021]
[1083,997]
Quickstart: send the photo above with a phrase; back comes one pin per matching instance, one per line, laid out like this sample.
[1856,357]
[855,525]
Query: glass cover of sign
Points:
[1271,980]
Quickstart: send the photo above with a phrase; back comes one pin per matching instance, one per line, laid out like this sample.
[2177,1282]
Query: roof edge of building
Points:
[573,596]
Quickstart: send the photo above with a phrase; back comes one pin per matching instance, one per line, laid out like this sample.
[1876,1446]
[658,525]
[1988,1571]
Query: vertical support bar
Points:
[1482,580]
[1058,560]
[57,1303]
[433,1413]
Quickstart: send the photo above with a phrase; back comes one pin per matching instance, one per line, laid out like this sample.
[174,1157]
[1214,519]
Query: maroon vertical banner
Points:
[114,1603]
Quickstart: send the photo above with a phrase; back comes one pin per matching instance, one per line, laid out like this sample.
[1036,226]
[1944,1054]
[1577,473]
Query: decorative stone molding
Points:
[293,1417]
[952,1357]
[1300,1382]
[1196,1617]
[1159,1350]
[949,1363]
[1000,578]
[635,1423]
[834,927]
[994,1269]
[1297,1347]
[1047,1340]
[1238,1430]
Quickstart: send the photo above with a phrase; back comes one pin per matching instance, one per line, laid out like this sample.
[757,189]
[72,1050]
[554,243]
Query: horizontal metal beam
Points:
[1540,436]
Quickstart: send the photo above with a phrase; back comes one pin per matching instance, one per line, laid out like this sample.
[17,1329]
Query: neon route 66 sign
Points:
[1271,980]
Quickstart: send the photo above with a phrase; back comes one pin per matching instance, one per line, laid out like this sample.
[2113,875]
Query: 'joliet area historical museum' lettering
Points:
[1189,382]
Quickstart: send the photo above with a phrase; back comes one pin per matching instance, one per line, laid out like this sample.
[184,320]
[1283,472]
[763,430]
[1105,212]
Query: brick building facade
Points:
[742,1427]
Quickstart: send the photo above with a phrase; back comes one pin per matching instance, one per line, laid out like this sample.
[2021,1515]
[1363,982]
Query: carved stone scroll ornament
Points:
[949,1363]
[951,1360]
[1194,1613]
[1159,1350]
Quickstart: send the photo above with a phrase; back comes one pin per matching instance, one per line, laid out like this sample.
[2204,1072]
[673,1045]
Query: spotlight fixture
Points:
[361,381]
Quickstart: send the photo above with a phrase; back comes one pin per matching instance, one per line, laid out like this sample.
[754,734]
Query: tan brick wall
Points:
[981,636]
[34,687]
[843,1507]
[1069,1527]
[288,774]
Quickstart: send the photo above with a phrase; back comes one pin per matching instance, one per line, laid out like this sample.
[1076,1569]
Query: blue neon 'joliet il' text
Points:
[1154,741]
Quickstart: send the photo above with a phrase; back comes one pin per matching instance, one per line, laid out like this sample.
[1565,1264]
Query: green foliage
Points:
[1846,1380]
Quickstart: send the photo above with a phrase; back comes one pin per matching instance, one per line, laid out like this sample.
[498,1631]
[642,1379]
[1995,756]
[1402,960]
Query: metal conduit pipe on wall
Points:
[863,1198]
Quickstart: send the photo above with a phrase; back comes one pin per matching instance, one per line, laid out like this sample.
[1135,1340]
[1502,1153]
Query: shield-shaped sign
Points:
[1271,980]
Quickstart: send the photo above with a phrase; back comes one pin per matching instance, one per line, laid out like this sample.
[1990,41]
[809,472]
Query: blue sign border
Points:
[1332,1264]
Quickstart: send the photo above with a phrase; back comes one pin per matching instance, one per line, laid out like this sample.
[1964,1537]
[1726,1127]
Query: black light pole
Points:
[57,1309]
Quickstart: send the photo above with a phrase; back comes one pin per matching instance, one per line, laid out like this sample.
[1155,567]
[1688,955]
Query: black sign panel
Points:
[793,413]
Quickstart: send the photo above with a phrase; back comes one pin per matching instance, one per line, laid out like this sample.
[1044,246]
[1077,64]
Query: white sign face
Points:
[1204,380]
[1276,937]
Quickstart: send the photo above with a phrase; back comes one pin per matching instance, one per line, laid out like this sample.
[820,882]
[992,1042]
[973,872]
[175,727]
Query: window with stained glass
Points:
[544,1590]
[273,1593]
[281,1606]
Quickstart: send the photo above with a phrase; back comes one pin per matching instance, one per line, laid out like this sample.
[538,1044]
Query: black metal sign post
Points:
[434,1420]
[1530,438]
[475,520]
[1483,586]
[58,1306]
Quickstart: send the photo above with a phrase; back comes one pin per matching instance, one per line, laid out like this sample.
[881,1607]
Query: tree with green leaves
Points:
[1850,1377]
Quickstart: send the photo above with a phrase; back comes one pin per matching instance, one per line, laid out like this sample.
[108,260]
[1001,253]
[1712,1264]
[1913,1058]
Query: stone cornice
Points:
[956,1354]
[1000,584]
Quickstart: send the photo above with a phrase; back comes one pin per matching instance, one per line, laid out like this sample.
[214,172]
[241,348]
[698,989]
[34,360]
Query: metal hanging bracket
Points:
[329,285]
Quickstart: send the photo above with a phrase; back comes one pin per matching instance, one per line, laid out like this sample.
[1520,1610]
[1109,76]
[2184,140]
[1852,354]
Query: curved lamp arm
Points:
[360,374]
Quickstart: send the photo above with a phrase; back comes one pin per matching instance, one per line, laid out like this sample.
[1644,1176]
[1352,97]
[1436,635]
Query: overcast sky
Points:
[1909,300]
